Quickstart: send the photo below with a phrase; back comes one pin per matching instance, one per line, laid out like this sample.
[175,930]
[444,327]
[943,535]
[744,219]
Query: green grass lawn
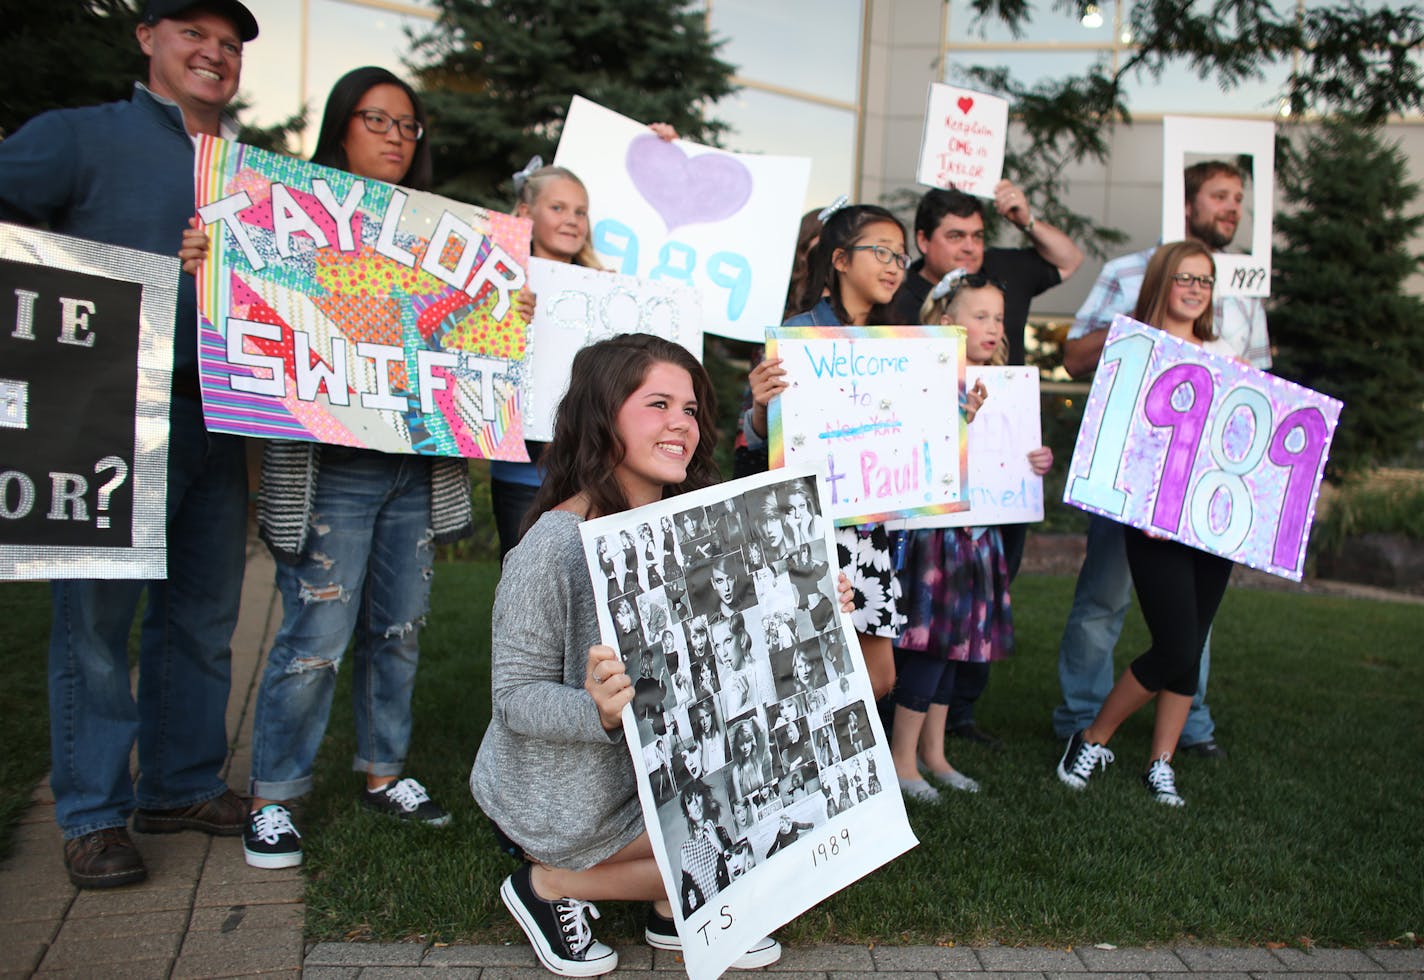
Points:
[1310,832]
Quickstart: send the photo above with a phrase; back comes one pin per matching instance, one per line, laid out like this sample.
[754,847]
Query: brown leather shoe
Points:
[104,859]
[222,816]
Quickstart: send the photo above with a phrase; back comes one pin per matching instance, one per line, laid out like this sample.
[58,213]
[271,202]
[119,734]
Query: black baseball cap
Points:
[156,10]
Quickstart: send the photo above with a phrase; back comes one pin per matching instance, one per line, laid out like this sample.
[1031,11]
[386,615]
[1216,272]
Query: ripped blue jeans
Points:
[364,583]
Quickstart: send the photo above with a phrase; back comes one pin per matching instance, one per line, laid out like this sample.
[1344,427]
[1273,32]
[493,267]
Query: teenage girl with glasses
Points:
[354,534]
[1179,588]
[859,261]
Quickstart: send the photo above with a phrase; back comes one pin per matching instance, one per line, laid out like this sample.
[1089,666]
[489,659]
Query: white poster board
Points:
[964,139]
[752,698]
[876,411]
[1003,488]
[1244,267]
[578,307]
[723,223]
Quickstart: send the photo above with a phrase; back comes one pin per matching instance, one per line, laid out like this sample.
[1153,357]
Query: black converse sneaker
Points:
[1161,782]
[558,930]
[1079,760]
[661,933]
[406,799]
[270,840]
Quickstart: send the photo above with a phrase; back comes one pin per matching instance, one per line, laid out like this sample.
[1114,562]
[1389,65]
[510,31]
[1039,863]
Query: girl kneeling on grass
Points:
[1179,588]
[553,772]
[956,579]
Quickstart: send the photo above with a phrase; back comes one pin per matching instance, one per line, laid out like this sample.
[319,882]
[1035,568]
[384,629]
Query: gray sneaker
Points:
[406,799]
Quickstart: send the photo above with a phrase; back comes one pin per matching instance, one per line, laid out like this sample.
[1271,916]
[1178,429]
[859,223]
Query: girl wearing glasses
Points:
[1178,588]
[859,262]
[354,534]
[956,579]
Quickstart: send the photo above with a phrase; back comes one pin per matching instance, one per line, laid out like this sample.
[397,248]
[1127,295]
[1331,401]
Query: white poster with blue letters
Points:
[723,223]
[763,770]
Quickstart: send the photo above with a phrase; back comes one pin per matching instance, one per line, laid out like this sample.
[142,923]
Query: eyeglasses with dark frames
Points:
[1186,279]
[380,123]
[883,254]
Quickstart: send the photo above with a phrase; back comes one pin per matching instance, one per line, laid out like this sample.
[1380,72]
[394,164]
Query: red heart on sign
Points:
[965,104]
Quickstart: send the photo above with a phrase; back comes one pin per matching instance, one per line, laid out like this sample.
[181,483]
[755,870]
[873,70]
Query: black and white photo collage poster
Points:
[764,772]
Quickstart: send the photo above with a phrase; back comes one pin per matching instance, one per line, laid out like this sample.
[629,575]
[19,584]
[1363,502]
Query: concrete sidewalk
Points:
[204,913]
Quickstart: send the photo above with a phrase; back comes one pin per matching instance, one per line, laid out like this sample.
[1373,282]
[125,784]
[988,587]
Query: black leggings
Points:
[1179,589]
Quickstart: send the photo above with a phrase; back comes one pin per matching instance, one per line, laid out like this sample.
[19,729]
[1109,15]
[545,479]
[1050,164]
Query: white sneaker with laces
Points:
[1161,781]
[1080,758]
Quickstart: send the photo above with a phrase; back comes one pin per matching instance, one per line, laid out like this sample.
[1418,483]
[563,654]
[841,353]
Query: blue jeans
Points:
[365,575]
[185,661]
[1085,656]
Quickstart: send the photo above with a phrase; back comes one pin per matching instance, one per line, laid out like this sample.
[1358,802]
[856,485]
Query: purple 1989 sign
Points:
[1202,449]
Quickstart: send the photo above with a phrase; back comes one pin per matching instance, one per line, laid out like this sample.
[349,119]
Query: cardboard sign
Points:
[86,365]
[1202,449]
[578,307]
[723,223]
[342,310]
[750,697]
[1186,141]
[964,139]
[876,411]
[1002,487]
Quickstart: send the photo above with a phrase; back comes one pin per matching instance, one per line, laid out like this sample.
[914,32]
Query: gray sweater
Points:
[547,772]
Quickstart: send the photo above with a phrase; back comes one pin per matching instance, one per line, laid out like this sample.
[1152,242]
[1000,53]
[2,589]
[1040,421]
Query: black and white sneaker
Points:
[661,933]
[1079,760]
[558,930]
[270,840]
[1161,782]
[406,799]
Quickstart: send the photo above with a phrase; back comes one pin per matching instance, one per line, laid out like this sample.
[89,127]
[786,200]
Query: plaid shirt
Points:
[1240,321]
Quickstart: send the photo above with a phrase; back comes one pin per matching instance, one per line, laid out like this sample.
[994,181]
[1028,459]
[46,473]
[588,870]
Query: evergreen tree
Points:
[1340,317]
[497,78]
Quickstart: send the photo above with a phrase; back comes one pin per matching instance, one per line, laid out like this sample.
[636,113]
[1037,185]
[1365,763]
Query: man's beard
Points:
[1208,234]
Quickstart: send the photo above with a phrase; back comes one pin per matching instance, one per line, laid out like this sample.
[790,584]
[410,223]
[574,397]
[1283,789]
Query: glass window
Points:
[807,45]
[765,123]
[1025,67]
[1179,90]
[1045,25]
[271,64]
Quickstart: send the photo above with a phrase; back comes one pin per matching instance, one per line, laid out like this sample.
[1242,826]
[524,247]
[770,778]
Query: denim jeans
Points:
[365,576]
[1085,656]
[185,661]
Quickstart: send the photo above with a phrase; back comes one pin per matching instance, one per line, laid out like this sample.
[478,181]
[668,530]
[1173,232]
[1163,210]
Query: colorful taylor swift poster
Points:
[342,310]
[876,411]
[1202,449]
[763,770]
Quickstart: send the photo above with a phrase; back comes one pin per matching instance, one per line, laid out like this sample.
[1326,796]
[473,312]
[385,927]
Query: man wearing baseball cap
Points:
[122,174]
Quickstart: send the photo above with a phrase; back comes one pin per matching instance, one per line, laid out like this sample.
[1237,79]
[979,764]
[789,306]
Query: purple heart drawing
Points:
[687,191]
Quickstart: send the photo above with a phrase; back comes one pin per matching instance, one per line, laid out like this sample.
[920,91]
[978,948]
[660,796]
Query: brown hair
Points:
[1199,173]
[796,298]
[585,448]
[1157,286]
[534,185]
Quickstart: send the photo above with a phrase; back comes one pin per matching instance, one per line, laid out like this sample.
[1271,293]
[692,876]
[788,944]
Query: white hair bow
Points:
[946,285]
[536,162]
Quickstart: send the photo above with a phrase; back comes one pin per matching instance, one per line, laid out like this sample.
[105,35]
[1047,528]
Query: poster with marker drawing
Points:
[86,370]
[344,310]
[764,774]
[876,411]
[963,146]
[1202,449]
[722,223]
[1002,486]
[1241,238]
[579,306]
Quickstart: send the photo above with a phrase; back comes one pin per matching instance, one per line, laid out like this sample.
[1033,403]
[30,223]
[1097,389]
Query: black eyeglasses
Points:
[884,254]
[1186,279]
[379,122]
